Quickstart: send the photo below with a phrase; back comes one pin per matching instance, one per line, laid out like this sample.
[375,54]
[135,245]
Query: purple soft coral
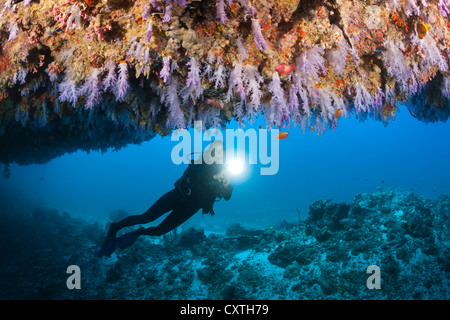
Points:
[293,99]
[168,13]
[221,15]
[122,85]
[277,91]
[148,34]
[363,100]
[431,51]
[182,3]
[174,66]
[242,49]
[444,5]
[219,76]
[446,87]
[236,82]
[156,4]
[396,65]
[310,64]
[253,81]
[165,71]
[412,8]
[68,92]
[193,79]
[278,105]
[260,42]
[146,12]
[111,78]
[92,89]
[21,75]
[337,57]
[244,3]
[13,30]
[176,117]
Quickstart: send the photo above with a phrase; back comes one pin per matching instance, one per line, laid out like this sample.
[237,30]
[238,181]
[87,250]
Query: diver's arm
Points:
[227,191]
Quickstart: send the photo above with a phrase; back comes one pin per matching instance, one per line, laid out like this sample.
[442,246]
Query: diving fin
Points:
[109,245]
[126,240]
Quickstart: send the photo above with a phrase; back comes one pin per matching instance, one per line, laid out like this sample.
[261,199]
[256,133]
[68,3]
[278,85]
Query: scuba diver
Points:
[199,187]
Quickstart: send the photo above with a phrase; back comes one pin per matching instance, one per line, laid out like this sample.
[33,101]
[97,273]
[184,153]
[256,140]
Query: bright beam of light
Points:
[236,166]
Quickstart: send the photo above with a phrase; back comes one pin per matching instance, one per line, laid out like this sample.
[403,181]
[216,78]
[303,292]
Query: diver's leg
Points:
[178,216]
[161,206]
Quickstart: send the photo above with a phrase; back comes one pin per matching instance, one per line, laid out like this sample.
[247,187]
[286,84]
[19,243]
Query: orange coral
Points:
[4,62]
[399,22]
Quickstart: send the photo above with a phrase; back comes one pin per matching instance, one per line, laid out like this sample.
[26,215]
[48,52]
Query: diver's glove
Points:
[227,191]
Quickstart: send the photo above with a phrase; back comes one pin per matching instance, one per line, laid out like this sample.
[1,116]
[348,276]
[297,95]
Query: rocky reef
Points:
[322,257]
[79,67]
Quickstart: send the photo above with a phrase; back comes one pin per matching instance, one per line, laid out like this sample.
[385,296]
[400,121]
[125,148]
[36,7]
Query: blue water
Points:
[357,158]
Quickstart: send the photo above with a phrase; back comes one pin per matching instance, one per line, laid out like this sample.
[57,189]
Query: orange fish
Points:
[260,127]
[285,69]
[281,136]
[89,2]
[337,114]
[312,129]
[412,113]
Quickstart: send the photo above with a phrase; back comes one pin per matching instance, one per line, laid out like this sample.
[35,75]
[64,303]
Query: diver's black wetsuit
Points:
[196,189]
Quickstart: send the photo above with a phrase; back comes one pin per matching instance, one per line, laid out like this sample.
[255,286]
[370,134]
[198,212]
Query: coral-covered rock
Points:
[413,262]
[164,61]
[191,237]
[284,254]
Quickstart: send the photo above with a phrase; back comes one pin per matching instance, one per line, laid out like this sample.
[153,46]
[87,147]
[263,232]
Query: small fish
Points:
[412,113]
[312,129]
[422,29]
[260,127]
[285,69]
[216,103]
[89,2]
[281,136]
[337,114]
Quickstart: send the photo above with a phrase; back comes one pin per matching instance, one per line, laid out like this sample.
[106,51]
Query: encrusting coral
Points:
[323,257]
[161,64]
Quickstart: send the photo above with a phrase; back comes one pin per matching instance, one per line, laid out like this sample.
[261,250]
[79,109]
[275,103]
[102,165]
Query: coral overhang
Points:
[152,66]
